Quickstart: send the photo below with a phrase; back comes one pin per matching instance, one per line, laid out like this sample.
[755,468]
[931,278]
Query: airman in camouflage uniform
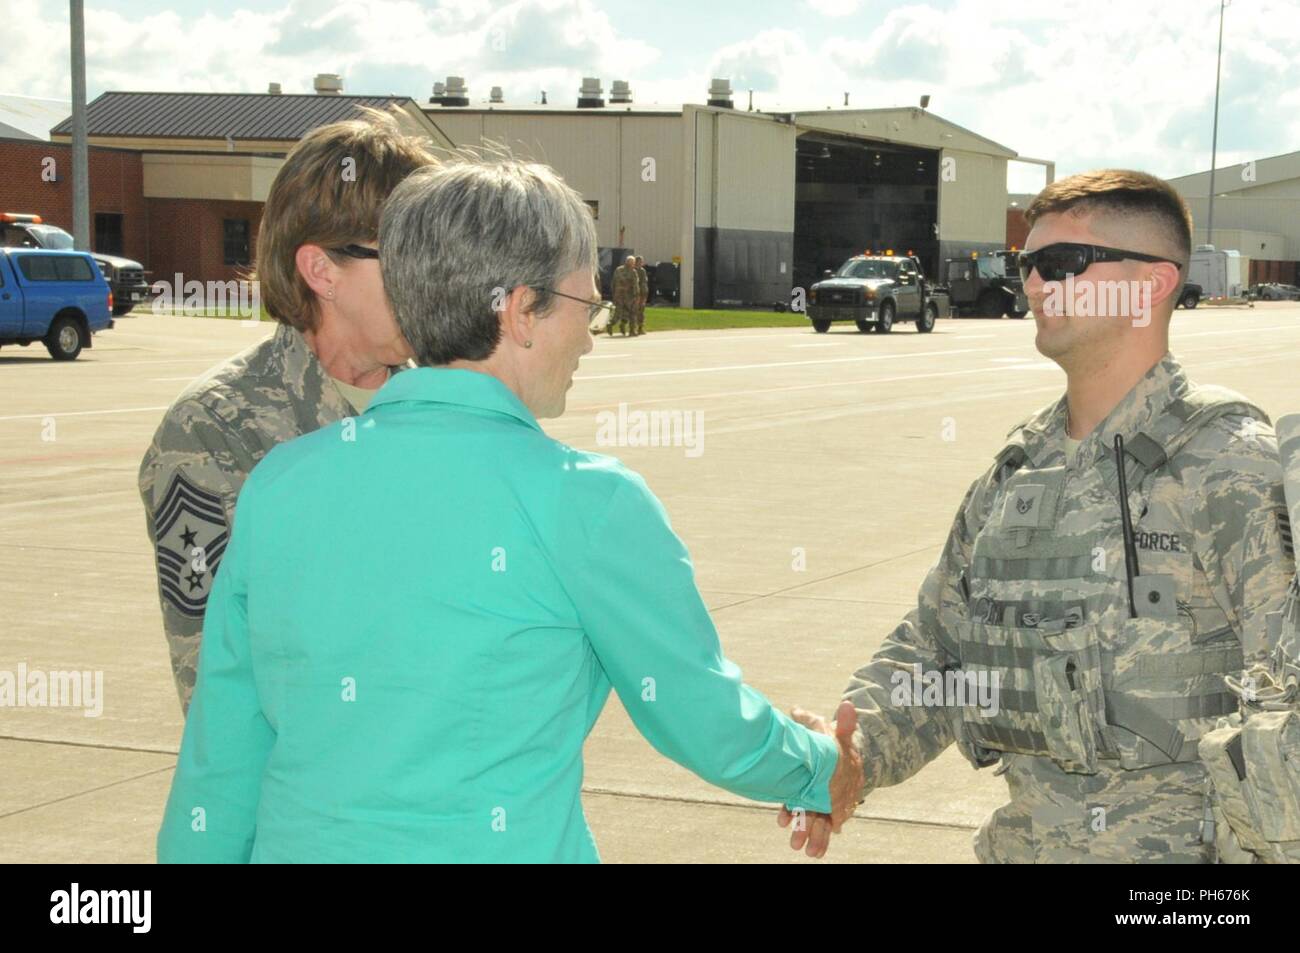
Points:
[1037,593]
[624,295]
[208,442]
[1094,595]
[224,423]
[642,295]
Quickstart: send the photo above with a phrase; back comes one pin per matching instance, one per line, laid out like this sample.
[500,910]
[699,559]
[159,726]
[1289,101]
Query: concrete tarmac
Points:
[828,475]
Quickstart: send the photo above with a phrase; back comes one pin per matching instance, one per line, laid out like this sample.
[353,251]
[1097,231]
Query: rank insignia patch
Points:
[190,526]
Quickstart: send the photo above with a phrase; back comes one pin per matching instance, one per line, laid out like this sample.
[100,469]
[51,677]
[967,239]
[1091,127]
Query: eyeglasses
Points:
[357,251]
[594,308]
[1054,262]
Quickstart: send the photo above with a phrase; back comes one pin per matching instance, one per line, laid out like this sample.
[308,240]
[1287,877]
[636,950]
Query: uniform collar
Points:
[292,362]
[1136,413]
[1044,434]
[463,388]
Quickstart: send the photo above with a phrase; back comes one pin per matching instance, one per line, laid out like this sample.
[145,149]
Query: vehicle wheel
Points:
[991,304]
[66,339]
[121,309]
[925,323]
[863,326]
[1019,315]
[1190,300]
[821,327]
[886,322]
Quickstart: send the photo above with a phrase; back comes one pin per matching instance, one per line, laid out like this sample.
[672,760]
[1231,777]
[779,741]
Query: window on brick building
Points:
[235,241]
[108,233]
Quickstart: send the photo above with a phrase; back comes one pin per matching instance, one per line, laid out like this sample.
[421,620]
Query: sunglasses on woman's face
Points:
[1054,262]
[357,251]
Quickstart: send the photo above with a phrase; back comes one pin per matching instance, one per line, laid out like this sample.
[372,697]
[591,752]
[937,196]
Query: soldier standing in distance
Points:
[642,294]
[1120,557]
[624,292]
[336,344]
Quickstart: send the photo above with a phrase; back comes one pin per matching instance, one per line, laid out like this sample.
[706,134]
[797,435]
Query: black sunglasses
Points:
[1054,262]
[357,251]
[593,307]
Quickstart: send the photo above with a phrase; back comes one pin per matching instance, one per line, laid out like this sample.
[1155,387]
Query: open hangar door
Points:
[857,194]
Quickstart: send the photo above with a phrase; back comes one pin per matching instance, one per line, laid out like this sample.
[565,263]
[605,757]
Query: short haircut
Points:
[458,239]
[319,197]
[1123,195]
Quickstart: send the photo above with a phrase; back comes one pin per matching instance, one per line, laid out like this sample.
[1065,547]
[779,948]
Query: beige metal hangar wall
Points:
[972,169]
[737,231]
[628,162]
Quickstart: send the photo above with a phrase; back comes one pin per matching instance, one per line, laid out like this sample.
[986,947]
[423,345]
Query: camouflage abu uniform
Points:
[642,294]
[623,293]
[1098,713]
[208,441]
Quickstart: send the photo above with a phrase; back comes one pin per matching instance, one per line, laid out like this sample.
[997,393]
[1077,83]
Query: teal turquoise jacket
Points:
[417,622]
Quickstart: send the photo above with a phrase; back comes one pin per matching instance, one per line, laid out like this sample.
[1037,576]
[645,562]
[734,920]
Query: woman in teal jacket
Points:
[422,610]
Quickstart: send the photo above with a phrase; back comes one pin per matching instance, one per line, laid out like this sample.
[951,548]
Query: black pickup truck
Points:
[125,277]
[875,291]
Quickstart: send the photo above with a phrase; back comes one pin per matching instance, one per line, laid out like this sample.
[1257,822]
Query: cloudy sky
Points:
[1084,82]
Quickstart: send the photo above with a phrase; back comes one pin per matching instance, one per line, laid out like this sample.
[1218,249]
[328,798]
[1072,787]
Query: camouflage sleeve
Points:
[642,281]
[897,740]
[1242,531]
[189,481]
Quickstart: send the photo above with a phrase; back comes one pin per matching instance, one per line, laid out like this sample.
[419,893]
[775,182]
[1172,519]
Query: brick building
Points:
[178,180]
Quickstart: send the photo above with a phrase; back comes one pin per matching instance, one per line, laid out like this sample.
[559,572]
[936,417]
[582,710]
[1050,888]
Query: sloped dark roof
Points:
[218,115]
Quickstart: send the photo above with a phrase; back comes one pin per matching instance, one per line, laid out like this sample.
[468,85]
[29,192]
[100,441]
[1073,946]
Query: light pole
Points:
[1214,138]
[80,156]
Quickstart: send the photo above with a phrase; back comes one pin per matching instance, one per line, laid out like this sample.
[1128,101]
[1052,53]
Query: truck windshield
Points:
[867,268]
[52,237]
[994,267]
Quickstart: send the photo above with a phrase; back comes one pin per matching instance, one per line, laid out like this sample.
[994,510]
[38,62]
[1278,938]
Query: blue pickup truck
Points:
[59,298]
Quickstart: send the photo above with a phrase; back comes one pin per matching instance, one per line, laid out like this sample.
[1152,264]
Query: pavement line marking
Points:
[754,367]
[794,387]
[1238,331]
[174,360]
[63,499]
[94,790]
[85,413]
[763,808]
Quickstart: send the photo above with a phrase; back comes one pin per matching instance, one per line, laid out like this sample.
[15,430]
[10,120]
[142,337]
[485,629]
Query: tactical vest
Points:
[1048,622]
[1253,756]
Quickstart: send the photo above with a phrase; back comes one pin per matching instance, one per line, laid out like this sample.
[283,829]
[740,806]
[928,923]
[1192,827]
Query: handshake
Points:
[812,831]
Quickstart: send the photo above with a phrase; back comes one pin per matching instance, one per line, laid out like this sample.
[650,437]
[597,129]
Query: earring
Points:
[330,295]
[528,344]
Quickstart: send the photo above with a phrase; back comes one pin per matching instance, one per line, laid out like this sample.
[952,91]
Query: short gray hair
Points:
[455,240]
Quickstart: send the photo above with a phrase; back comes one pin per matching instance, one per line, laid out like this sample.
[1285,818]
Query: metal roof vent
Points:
[497,96]
[328,84]
[620,92]
[591,95]
[273,89]
[457,93]
[720,94]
